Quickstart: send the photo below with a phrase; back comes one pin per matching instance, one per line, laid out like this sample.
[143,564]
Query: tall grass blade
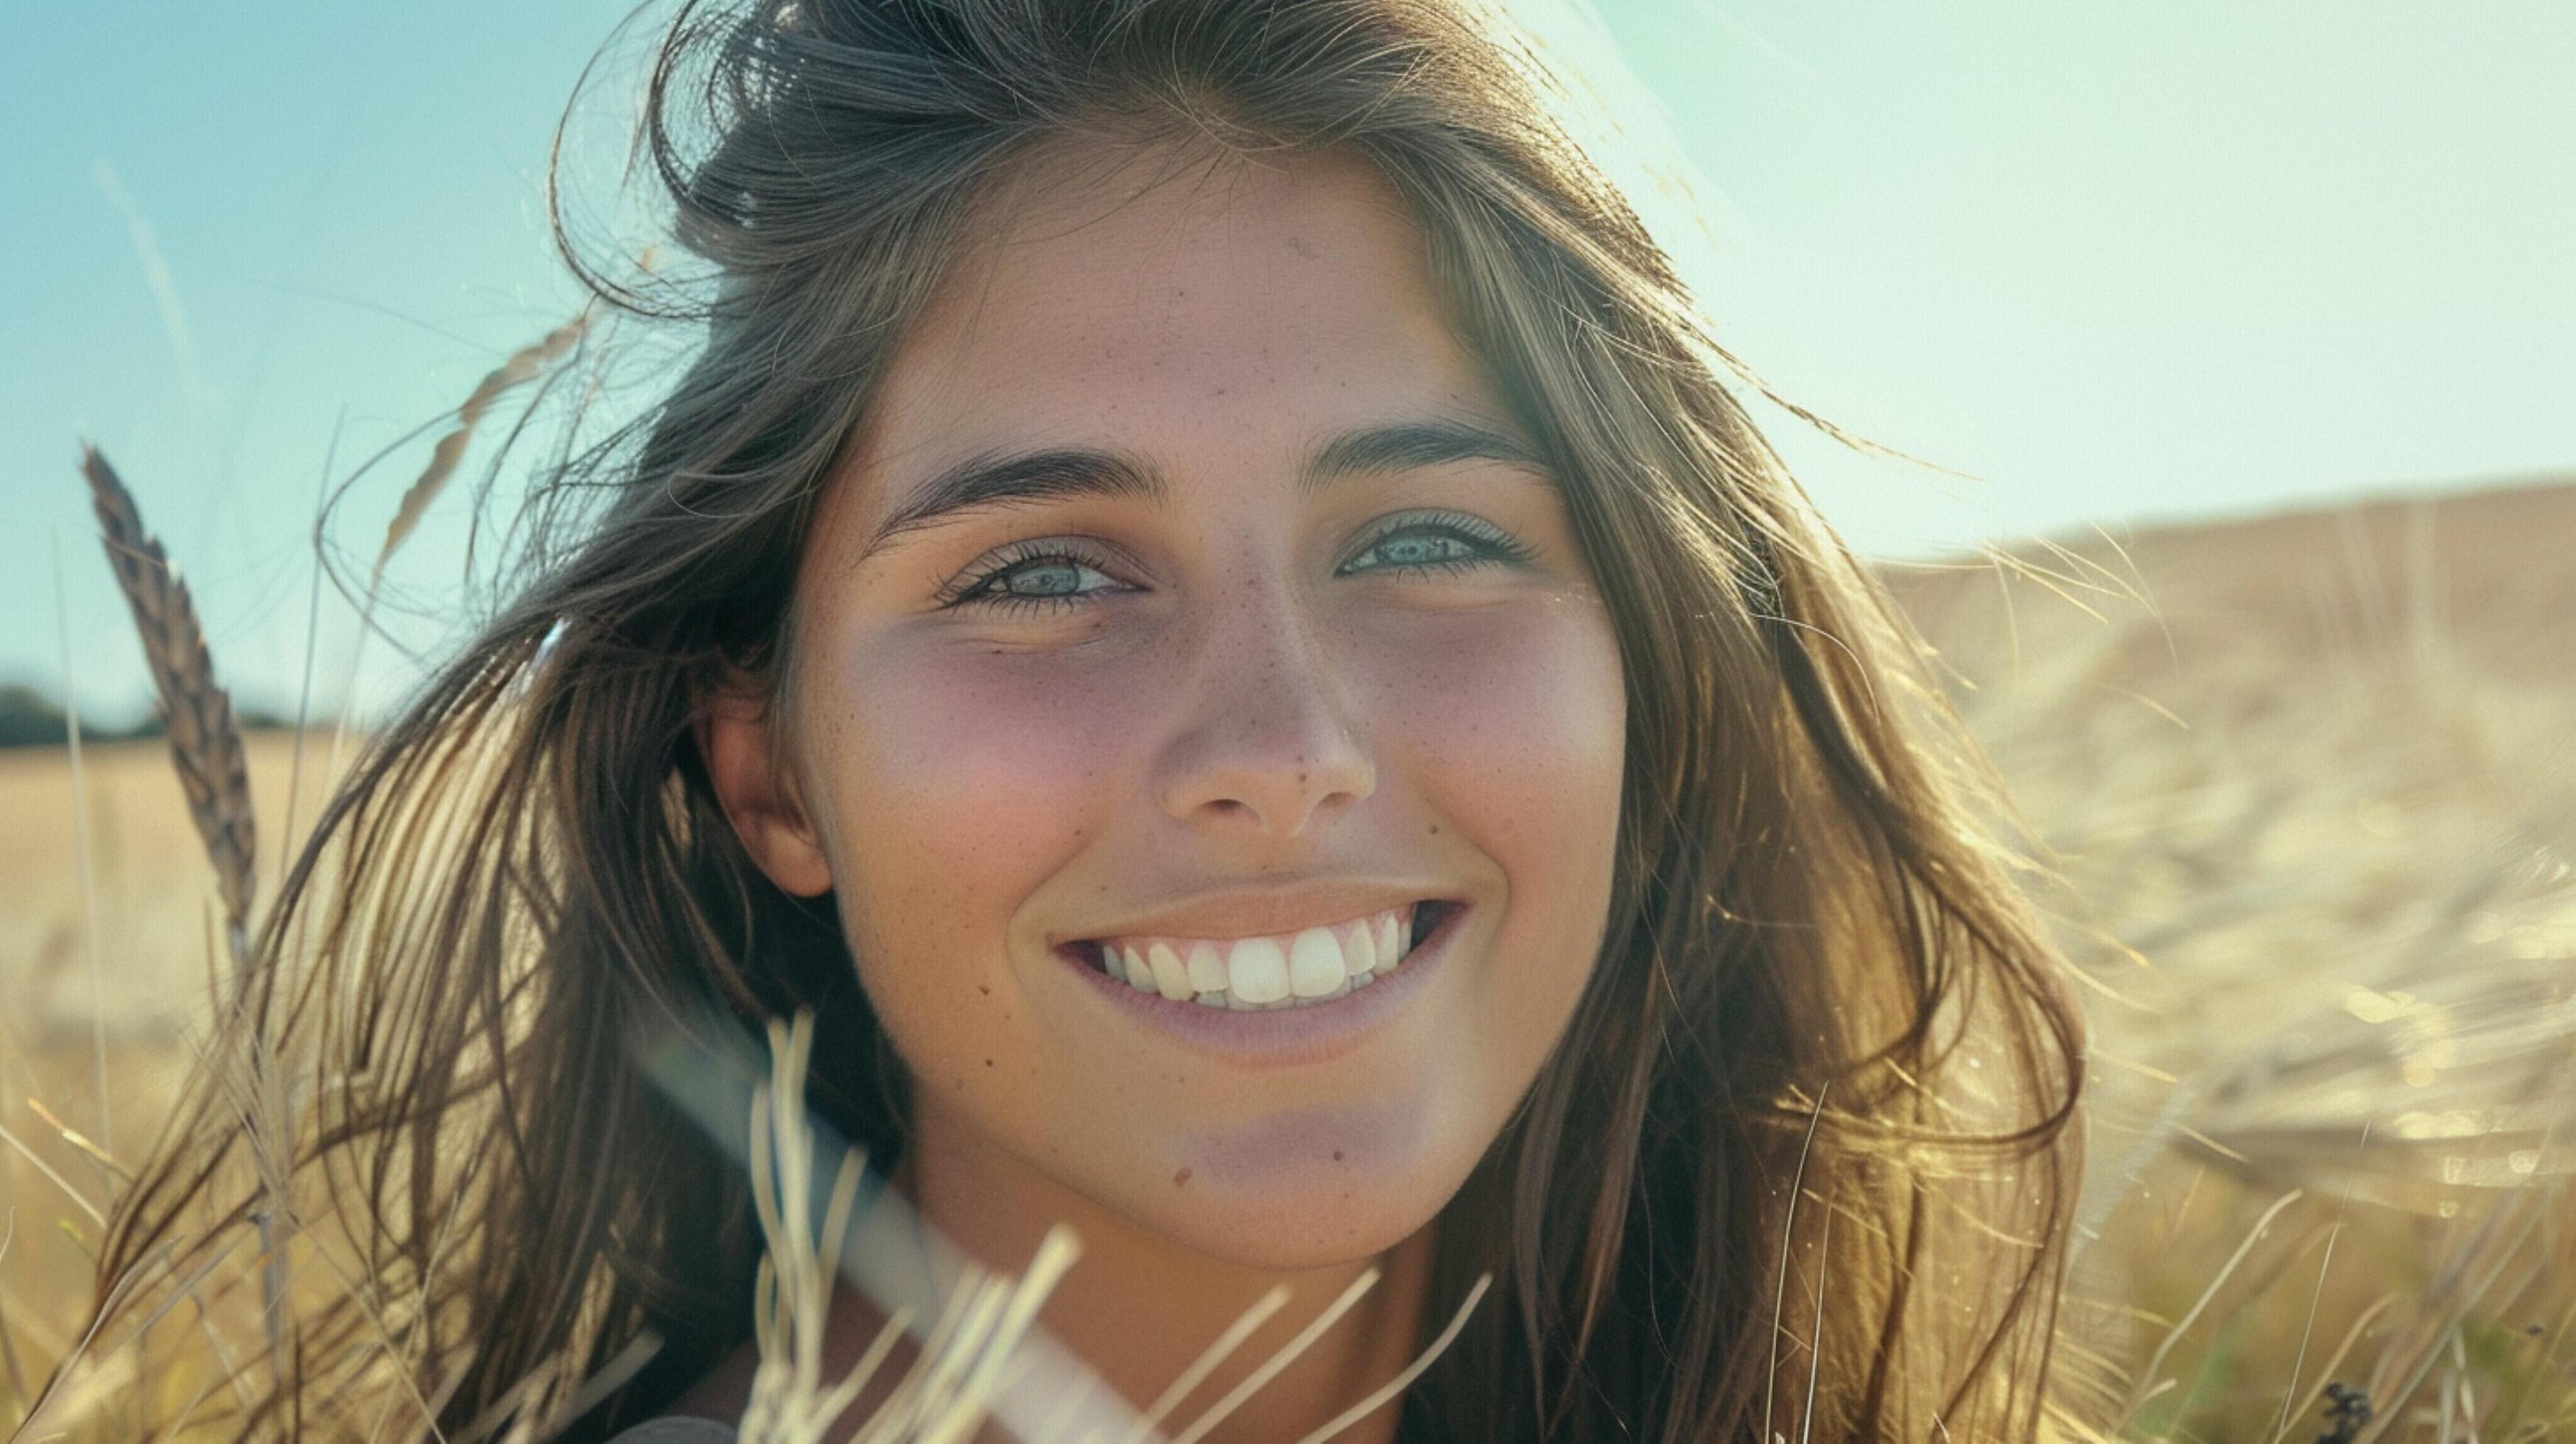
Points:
[2254,1235]
[81,851]
[9,1336]
[1272,1367]
[1384,1393]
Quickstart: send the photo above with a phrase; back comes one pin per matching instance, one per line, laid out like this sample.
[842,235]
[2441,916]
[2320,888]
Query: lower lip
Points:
[1279,1037]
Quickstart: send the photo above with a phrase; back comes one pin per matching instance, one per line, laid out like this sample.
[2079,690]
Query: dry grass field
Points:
[2311,792]
[156,916]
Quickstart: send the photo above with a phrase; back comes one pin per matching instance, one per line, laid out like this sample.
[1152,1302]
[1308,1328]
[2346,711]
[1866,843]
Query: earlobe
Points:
[739,741]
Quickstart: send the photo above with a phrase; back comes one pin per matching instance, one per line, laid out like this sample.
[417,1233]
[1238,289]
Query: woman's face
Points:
[1189,603]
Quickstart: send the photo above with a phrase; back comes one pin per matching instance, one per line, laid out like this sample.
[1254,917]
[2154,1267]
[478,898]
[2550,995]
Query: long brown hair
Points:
[1802,1162]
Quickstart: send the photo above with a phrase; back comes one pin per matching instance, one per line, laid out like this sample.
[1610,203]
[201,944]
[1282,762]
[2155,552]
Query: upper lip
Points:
[1259,912]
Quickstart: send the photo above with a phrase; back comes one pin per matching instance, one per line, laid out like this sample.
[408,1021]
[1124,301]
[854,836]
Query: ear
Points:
[740,742]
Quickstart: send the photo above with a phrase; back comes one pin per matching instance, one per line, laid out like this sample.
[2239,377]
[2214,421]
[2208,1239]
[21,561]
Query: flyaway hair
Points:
[1801,1165]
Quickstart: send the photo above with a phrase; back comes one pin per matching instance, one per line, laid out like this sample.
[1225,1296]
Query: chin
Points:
[1267,1198]
[1321,1232]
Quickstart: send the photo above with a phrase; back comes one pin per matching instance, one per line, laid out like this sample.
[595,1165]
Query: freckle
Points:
[1180,1178]
[1435,829]
[1337,1155]
[988,1062]
[987,989]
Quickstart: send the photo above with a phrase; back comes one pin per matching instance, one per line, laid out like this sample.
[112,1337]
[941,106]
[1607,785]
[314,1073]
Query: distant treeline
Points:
[29,718]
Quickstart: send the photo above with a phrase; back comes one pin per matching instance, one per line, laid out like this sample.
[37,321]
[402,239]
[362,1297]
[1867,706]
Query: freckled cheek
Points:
[1512,722]
[961,783]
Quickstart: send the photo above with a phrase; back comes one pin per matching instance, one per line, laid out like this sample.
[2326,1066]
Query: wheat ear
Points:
[205,742]
[520,366]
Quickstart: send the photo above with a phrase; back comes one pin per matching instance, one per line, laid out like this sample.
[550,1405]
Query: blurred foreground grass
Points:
[2312,787]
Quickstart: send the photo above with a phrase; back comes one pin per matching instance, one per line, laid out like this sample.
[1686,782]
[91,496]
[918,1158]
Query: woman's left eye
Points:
[1445,542]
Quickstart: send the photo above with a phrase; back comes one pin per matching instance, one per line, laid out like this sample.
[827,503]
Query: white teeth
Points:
[1359,950]
[1257,971]
[1315,964]
[1207,970]
[1170,977]
[1256,974]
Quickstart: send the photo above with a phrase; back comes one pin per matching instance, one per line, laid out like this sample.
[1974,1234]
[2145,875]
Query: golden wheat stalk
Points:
[516,370]
[945,1394]
[205,742]
[522,365]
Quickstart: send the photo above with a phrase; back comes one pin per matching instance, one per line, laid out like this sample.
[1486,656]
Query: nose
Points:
[1266,740]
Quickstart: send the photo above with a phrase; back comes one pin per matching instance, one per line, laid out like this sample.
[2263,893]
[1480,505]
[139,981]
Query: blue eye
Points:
[1439,542]
[1032,574]
[1055,573]
[1040,579]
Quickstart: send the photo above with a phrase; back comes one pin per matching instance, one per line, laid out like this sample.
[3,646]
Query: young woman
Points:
[1207,607]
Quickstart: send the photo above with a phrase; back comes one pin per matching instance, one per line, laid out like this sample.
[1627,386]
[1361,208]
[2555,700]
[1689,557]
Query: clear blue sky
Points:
[2127,261]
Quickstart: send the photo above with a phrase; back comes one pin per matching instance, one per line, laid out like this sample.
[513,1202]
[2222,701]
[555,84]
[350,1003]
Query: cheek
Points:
[1514,730]
[1513,722]
[954,783]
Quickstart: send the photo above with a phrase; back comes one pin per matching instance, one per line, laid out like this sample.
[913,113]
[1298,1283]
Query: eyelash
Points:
[1493,544]
[973,589]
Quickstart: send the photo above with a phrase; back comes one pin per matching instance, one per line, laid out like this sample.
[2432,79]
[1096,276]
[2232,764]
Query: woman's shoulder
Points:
[675,1429]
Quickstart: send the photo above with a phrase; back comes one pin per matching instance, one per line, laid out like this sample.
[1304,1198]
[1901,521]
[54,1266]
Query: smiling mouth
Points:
[1286,970]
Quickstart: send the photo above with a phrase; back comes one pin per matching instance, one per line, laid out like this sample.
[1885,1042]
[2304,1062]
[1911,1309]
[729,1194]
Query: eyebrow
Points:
[1407,445]
[1004,478]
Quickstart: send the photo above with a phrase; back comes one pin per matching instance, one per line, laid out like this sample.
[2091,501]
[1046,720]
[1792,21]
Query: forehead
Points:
[1156,301]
